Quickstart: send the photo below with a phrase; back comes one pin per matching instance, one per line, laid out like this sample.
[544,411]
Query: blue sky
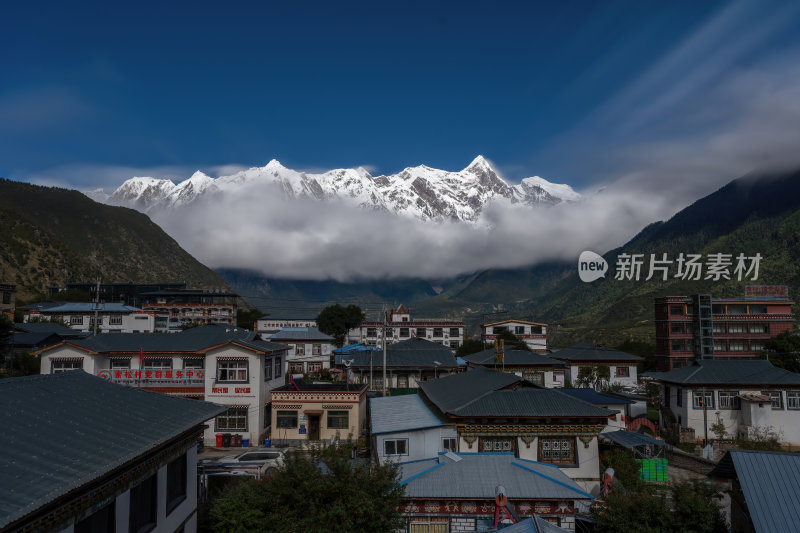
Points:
[577,92]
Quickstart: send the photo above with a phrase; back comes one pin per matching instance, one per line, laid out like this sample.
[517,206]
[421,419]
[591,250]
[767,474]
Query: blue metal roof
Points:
[770,483]
[476,475]
[629,439]
[401,413]
[63,431]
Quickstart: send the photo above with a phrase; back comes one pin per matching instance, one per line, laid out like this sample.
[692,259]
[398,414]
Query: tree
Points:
[593,376]
[322,491]
[511,341]
[246,318]
[470,346]
[6,331]
[337,321]
[783,351]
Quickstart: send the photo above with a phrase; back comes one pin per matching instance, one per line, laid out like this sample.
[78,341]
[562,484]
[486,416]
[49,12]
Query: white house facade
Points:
[533,333]
[111,317]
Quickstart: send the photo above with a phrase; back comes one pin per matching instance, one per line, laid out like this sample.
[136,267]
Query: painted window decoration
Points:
[557,450]
[623,372]
[497,444]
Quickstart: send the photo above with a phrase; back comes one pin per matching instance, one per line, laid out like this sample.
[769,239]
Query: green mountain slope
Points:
[49,236]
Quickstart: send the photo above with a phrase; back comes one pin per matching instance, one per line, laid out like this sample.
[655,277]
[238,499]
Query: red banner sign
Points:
[772,291]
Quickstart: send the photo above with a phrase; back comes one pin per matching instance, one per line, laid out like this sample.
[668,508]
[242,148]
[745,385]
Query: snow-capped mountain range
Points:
[420,192]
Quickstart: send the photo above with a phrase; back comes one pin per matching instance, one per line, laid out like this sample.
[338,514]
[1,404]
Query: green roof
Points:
[63,431]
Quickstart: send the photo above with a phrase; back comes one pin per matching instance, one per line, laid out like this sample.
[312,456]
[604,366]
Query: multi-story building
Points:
[8,294]
[310,350]
[401,326]
[119,292]
[227,366]
[533,333]
[273,323]
[173,309]
[703,327]
[534,367]
[111,317]
[81,456]
[597,366]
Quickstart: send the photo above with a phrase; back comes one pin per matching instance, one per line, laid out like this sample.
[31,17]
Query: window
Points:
[232,371]
[736,328]
[737,346]
[498,329]
[678,346]
[718,328]
[142,514]
[120,364]
[158,364]
[176,483]
[623,372]
[793,399]
[296,368]
[719,346]
[454,344]
[776,397]
[316,349]
[454,332]
[62,366]
[404,332]
[758,328]
[372,332]
[697,399]
[278,368]
[267,368]
[338,419]
[756,346]
[6,297]
[675,310]
[679,397]
[676,327]
[193,364]
[438,332]
[729,399]
[421,332]
[116,320]
[76,320]
[234,419]
[300,349]
[519,330]
[286,419]
[497,444]
[314,367]
[395,447]
[557,450]
[101,521]
[450,445]
[534,377]
[390,332]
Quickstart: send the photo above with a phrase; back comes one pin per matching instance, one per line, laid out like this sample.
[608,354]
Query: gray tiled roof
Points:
[401,413]
[47,327]
[87,307]
[290,334]
[594,397]
[530,402]
[192,340]
[770,483]
[415,353]
[485,393]
[630,439]
[513,357]
[587,352]
[477,475]
[455,391]
[534,524]
[62,431]
[722,372]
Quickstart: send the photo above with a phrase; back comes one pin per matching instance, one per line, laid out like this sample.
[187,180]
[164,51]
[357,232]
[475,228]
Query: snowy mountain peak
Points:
[420,192]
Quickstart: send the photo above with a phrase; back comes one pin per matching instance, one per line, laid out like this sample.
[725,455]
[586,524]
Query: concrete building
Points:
[224,365]
[401,326]
[499,412]
[303,412]
[174,309]
[408,363]
[622,367]
[618,405]
[274,323]
[111,317]
[723,328]
[745,396]
[457,492]
[81,455]
[404,429]
[310,350]
[534,367]
[533,333]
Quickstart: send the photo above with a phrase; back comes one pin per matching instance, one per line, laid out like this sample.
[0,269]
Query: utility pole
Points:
[96,304]
[705,418]
[384,351]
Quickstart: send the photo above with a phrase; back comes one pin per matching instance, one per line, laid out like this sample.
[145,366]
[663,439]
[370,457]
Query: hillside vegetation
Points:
[49,236]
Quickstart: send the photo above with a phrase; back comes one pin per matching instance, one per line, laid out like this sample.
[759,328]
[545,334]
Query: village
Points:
[512,435]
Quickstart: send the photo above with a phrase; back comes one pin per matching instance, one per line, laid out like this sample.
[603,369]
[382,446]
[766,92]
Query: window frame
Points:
[157,363]
[571,461]
[404,332]
[91,523]
[338,417]
[394,443]
[771,394]
[233,413]
[267,368]
[732,396]
[281,414]
[422,332]
[54,370]
[447,442]
[277,369]
[625,374]
[697,395]
[454,332]
[227,366]
[793,394]
[146,490]
[177,482]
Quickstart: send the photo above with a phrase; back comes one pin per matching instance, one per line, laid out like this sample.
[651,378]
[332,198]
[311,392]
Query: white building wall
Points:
[629,381]
[422,444]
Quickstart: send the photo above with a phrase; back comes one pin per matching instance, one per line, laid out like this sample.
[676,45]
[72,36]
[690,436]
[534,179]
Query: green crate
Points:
[653,469]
